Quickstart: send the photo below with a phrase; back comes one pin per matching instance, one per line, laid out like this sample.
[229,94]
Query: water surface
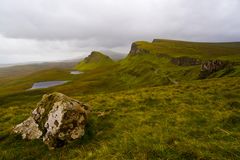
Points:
[76,72]
[47,84]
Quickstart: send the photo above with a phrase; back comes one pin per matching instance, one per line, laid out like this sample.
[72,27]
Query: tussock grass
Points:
[197,120]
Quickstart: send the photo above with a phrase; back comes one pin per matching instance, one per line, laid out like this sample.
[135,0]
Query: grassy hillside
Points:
[224,51]
[140,70]
[94,60]
[21,71]
[144,106]
[196,120]
[10,86]
[149,67]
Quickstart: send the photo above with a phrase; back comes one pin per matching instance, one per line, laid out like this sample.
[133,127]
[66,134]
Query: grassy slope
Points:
[16,85]
[132,72]
[186,121]
[194,49]
[191,119]
[24,70]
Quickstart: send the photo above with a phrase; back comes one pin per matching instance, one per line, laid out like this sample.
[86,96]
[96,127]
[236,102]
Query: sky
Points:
[51,30]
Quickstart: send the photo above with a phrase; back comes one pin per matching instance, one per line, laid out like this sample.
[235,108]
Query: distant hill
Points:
[5,65]
[26,69]
[94,60]
[174,48]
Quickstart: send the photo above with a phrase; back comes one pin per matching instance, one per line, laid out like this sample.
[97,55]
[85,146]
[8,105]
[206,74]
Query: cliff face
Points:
[156,40]
[185,61]
[137,50]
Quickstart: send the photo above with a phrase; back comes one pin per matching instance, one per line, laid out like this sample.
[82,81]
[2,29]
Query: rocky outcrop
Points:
[212,66]
[156,40]
[58,119]
[136,50]
[160,40]
[185,61]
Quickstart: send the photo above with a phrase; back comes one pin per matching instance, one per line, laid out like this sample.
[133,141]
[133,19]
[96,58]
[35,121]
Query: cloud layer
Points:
[58,29]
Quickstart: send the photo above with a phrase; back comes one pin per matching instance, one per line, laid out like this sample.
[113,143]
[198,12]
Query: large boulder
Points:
[57,119]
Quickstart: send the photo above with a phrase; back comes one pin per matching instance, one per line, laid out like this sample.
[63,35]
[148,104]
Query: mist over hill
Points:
[114,55]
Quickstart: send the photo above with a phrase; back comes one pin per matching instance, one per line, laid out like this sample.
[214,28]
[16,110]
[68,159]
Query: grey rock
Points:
[28,129]
[58,119]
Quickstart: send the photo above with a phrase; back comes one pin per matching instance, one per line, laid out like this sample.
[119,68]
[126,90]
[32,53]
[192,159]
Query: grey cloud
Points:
[110,19]
[84,25]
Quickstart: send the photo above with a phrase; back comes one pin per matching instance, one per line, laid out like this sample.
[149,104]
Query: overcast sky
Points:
[48,30]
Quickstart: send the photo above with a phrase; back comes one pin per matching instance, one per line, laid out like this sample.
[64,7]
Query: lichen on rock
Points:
[29,129]
[58,119]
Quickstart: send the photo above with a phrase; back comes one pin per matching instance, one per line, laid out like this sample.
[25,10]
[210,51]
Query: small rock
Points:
[58,119]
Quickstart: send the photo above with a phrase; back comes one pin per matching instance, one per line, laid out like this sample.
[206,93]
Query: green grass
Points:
[186,121]
[223,51]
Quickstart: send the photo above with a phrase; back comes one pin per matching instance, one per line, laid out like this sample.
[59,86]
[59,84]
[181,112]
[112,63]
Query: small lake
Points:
[76,72]
[47,84]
